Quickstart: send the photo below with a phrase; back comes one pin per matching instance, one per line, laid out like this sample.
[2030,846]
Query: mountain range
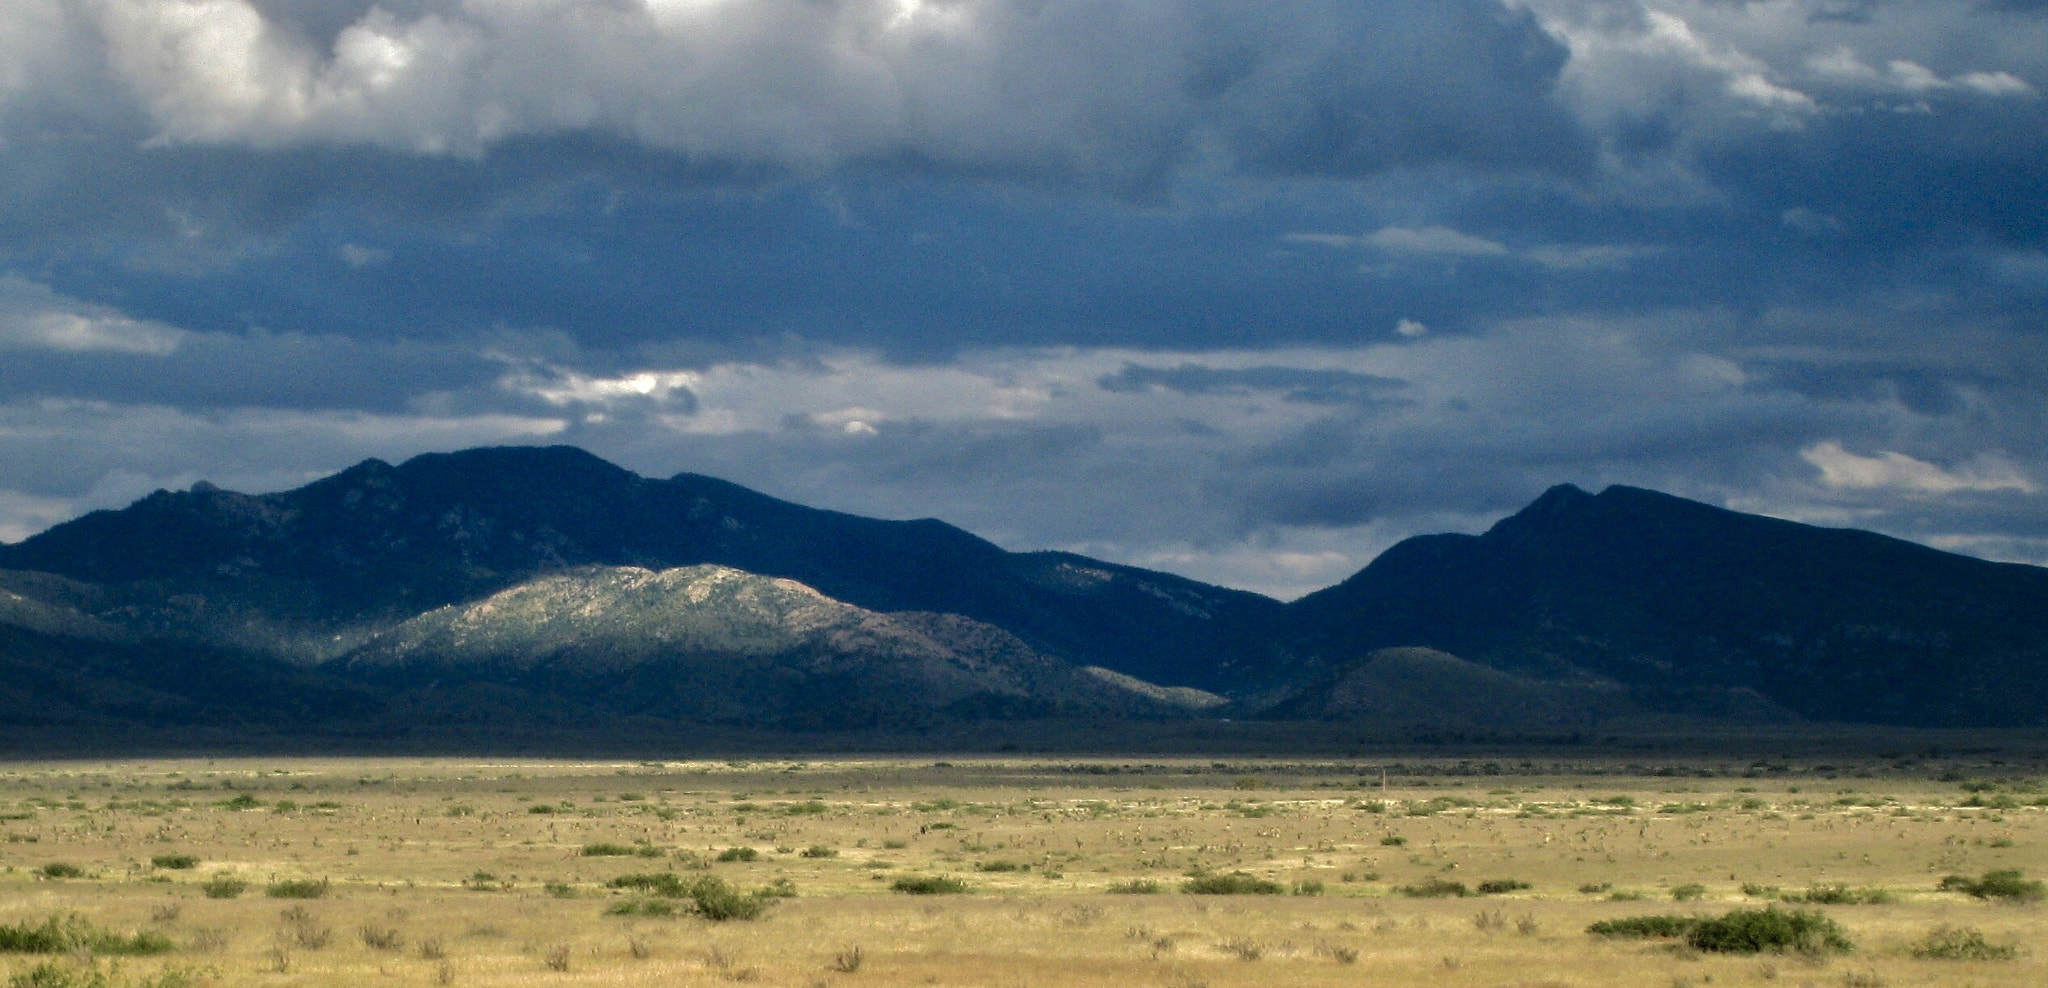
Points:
[545,585]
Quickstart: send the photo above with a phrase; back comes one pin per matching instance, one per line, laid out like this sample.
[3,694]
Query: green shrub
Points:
[1689,893]
[1841,895]
[1595,888]
[50,974]
[738,854]
[1136,886]
[60,869]
[176,862]
[1644,927]
[663,883]
[715,900]
[242,802]
[223,886]
[641,907]
[711,896]
[1502,886]
[1235,883]
[928,885]
[818,851]
[607,849]
[1392,841]
[1750,931]
[297,888]
[1434,888]
[1961,943]
[1000,866]
[1307,886]
[2009,885]
[60,935]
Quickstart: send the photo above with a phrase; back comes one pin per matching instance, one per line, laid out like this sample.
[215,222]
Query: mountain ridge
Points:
[1624,600]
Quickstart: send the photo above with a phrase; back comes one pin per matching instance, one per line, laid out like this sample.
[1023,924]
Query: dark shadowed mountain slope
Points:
[313,572]
[1679,600]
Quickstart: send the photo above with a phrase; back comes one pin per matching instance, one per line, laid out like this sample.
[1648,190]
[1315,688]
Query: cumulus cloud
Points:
[1068,87]
[34,317]
[1840,468]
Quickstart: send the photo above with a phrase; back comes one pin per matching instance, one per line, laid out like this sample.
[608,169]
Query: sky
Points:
[1242,290]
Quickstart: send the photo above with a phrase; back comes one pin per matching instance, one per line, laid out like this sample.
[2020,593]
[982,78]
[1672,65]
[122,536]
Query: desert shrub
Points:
[382,937]
[1961,943]
[1392,841]
[1644,927]
[641,907]
[1502,886]
[1136,886]
[607,849]
[1001,866]
[662,883]
[1759,891]
[65,934]
[818,851]
[1234,883]
[1595,888]
[738,854]
[1840,895]
[928,885]
[1750,931]
[849,960]
[60,869]
[175,862]
[2009,885]
[1307,886]
[223,886]
[715,900]
[1692,892]
[241,802]
[297,888]
[50,974]
[1434,888]
[712,897]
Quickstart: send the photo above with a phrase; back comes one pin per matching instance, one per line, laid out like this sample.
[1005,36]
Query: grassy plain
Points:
[499,872]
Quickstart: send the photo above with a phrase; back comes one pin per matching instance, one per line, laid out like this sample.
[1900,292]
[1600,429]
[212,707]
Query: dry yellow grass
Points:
[449,866]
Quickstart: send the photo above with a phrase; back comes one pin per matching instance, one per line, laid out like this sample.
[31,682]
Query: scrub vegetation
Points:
[1909,869]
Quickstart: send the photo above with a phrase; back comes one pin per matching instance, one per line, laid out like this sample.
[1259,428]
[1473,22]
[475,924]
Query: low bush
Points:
[928,885]
[1434,888]
[1744,931]
[175,862]
[65,934]
[1961,943]
[2009,885]
[1001,866]
[607,849]
[1644,927]
[738,854]
[710,895]
[818,851]
[1502,886]
[1750,931]
[60,869]
[1136,886]
[223,886]
[1234,883]
[1692,892]
[1840,895]
[297,888]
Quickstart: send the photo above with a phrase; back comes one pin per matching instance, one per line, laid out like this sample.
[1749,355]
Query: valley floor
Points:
[307,871]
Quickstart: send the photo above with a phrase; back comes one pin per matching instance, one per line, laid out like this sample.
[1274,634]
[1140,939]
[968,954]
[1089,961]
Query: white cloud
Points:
[1844,470]
[34,317]
[1438,240]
